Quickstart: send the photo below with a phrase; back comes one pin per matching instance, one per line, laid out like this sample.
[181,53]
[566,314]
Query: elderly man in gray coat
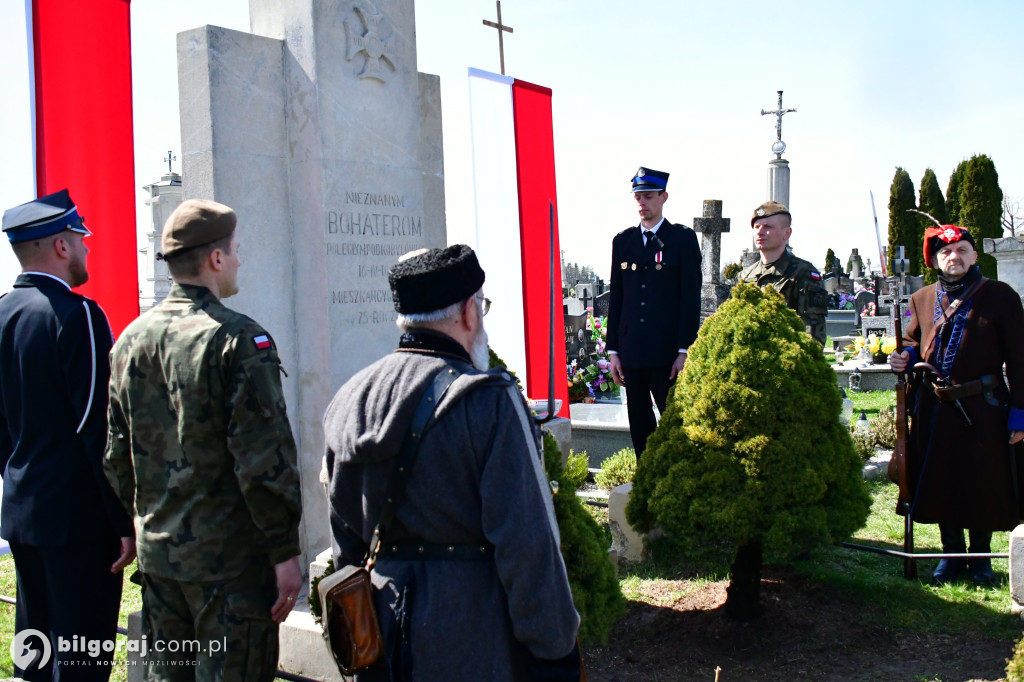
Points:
[471,584]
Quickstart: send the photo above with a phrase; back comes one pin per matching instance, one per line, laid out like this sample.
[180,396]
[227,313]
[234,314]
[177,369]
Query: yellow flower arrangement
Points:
[877,345]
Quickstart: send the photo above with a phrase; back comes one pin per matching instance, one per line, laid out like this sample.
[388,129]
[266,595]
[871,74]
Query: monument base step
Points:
[304,650]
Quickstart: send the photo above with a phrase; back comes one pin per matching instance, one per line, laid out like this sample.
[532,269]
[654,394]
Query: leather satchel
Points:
[346,596]
[350,620]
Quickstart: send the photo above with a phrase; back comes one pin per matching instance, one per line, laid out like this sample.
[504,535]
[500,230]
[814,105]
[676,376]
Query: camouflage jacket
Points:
[199,447]
[800,284]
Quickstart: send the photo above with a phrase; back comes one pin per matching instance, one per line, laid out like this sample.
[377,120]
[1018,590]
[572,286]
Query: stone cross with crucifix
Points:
[502,28]
[897,290]
[711,227]
[779,146]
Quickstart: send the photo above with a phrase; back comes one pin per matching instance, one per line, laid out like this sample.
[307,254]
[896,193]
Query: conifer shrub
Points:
[1015,664]
[577,468]
[617,469]
[595,587]
[750,449]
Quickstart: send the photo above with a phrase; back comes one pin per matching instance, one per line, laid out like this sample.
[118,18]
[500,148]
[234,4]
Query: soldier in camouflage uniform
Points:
[201,451]
[797,280]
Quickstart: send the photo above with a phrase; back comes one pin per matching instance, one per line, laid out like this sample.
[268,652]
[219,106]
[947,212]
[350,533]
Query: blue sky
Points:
[679,87]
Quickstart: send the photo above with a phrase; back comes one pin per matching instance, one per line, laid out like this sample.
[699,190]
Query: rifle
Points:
[897,470]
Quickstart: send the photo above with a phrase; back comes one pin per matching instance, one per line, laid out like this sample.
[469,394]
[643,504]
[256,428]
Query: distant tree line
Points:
[574,272]
[973,200]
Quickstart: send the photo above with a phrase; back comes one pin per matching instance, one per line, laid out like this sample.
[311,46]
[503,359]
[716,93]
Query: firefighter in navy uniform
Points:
[69,535]
[654,311]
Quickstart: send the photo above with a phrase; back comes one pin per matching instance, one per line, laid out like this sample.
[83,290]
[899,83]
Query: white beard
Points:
[478,353]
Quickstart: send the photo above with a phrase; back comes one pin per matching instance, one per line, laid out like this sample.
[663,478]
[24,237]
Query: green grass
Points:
[870,402]
[131,601]
[875,580]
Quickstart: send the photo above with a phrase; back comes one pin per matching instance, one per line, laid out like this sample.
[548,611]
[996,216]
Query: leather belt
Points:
[950,394]
[411,550]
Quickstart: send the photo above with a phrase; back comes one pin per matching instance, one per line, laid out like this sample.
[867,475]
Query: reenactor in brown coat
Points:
[965,455]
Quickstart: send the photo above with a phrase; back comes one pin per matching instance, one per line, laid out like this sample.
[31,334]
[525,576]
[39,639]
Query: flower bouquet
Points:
[597,374]
[874,347]
[579,387]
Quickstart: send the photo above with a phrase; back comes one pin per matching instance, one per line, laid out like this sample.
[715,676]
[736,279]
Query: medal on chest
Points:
[658,257]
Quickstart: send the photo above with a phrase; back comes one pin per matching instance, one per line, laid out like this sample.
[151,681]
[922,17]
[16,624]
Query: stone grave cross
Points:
[897,286]
[502,28]
[711,226]
[584,297]
[713,292]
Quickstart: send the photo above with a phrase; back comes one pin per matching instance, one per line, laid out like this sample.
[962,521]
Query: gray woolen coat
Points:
[478,477]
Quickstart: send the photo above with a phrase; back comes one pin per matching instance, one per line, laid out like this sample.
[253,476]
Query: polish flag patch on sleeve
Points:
[262,341]
[815,276]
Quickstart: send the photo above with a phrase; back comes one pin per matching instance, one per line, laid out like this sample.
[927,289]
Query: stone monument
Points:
[1009,255]
[711,226]
[163,197]
[778,168]
[319,131]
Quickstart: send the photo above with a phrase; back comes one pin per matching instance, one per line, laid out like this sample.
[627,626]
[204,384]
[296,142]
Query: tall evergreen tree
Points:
[930,201]
[981,207]
[904,226]
[953,193]
[830,260]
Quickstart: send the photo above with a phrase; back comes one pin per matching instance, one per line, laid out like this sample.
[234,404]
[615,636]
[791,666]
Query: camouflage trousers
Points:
[210,631]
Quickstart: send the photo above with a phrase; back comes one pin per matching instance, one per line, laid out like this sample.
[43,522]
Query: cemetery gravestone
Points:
[576,339]
[861,302]
[601,304]
[711,225]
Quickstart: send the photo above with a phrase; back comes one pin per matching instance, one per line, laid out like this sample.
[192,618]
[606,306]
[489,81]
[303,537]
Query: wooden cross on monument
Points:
[501,28]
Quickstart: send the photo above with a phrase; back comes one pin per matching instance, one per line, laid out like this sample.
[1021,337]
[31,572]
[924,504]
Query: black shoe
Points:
[981,572]
[948,570]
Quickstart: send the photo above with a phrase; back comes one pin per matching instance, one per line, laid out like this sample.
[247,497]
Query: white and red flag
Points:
[67,93]
[514,187]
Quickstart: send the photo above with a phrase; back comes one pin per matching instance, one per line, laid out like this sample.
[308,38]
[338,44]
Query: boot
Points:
[981,569]
[949,570]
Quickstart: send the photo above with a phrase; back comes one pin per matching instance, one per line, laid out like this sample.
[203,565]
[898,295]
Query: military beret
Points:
[648,180]
[769,208]
[937,237]
[43,217]
[194,223]
[431,279]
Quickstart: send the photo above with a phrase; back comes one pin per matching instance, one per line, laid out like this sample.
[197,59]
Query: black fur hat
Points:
[431,279]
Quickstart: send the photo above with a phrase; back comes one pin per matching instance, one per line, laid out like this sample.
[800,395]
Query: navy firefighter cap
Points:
[43,217]
[647,180]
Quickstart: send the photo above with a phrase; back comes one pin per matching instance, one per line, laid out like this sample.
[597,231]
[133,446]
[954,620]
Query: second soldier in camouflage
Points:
[201,452]
[797,280]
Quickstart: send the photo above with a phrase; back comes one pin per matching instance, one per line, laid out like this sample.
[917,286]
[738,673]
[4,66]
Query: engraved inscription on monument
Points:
[370,35]
[372,229]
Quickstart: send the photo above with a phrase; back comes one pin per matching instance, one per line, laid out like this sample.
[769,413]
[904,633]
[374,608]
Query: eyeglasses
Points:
[485,305]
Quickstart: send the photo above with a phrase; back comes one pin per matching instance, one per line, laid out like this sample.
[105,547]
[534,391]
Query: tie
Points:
[648,236]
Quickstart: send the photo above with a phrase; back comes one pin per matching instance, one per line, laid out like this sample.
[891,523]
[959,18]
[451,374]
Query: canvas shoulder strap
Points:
[403,465]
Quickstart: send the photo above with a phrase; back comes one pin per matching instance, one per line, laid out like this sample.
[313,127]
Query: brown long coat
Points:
[961,475]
